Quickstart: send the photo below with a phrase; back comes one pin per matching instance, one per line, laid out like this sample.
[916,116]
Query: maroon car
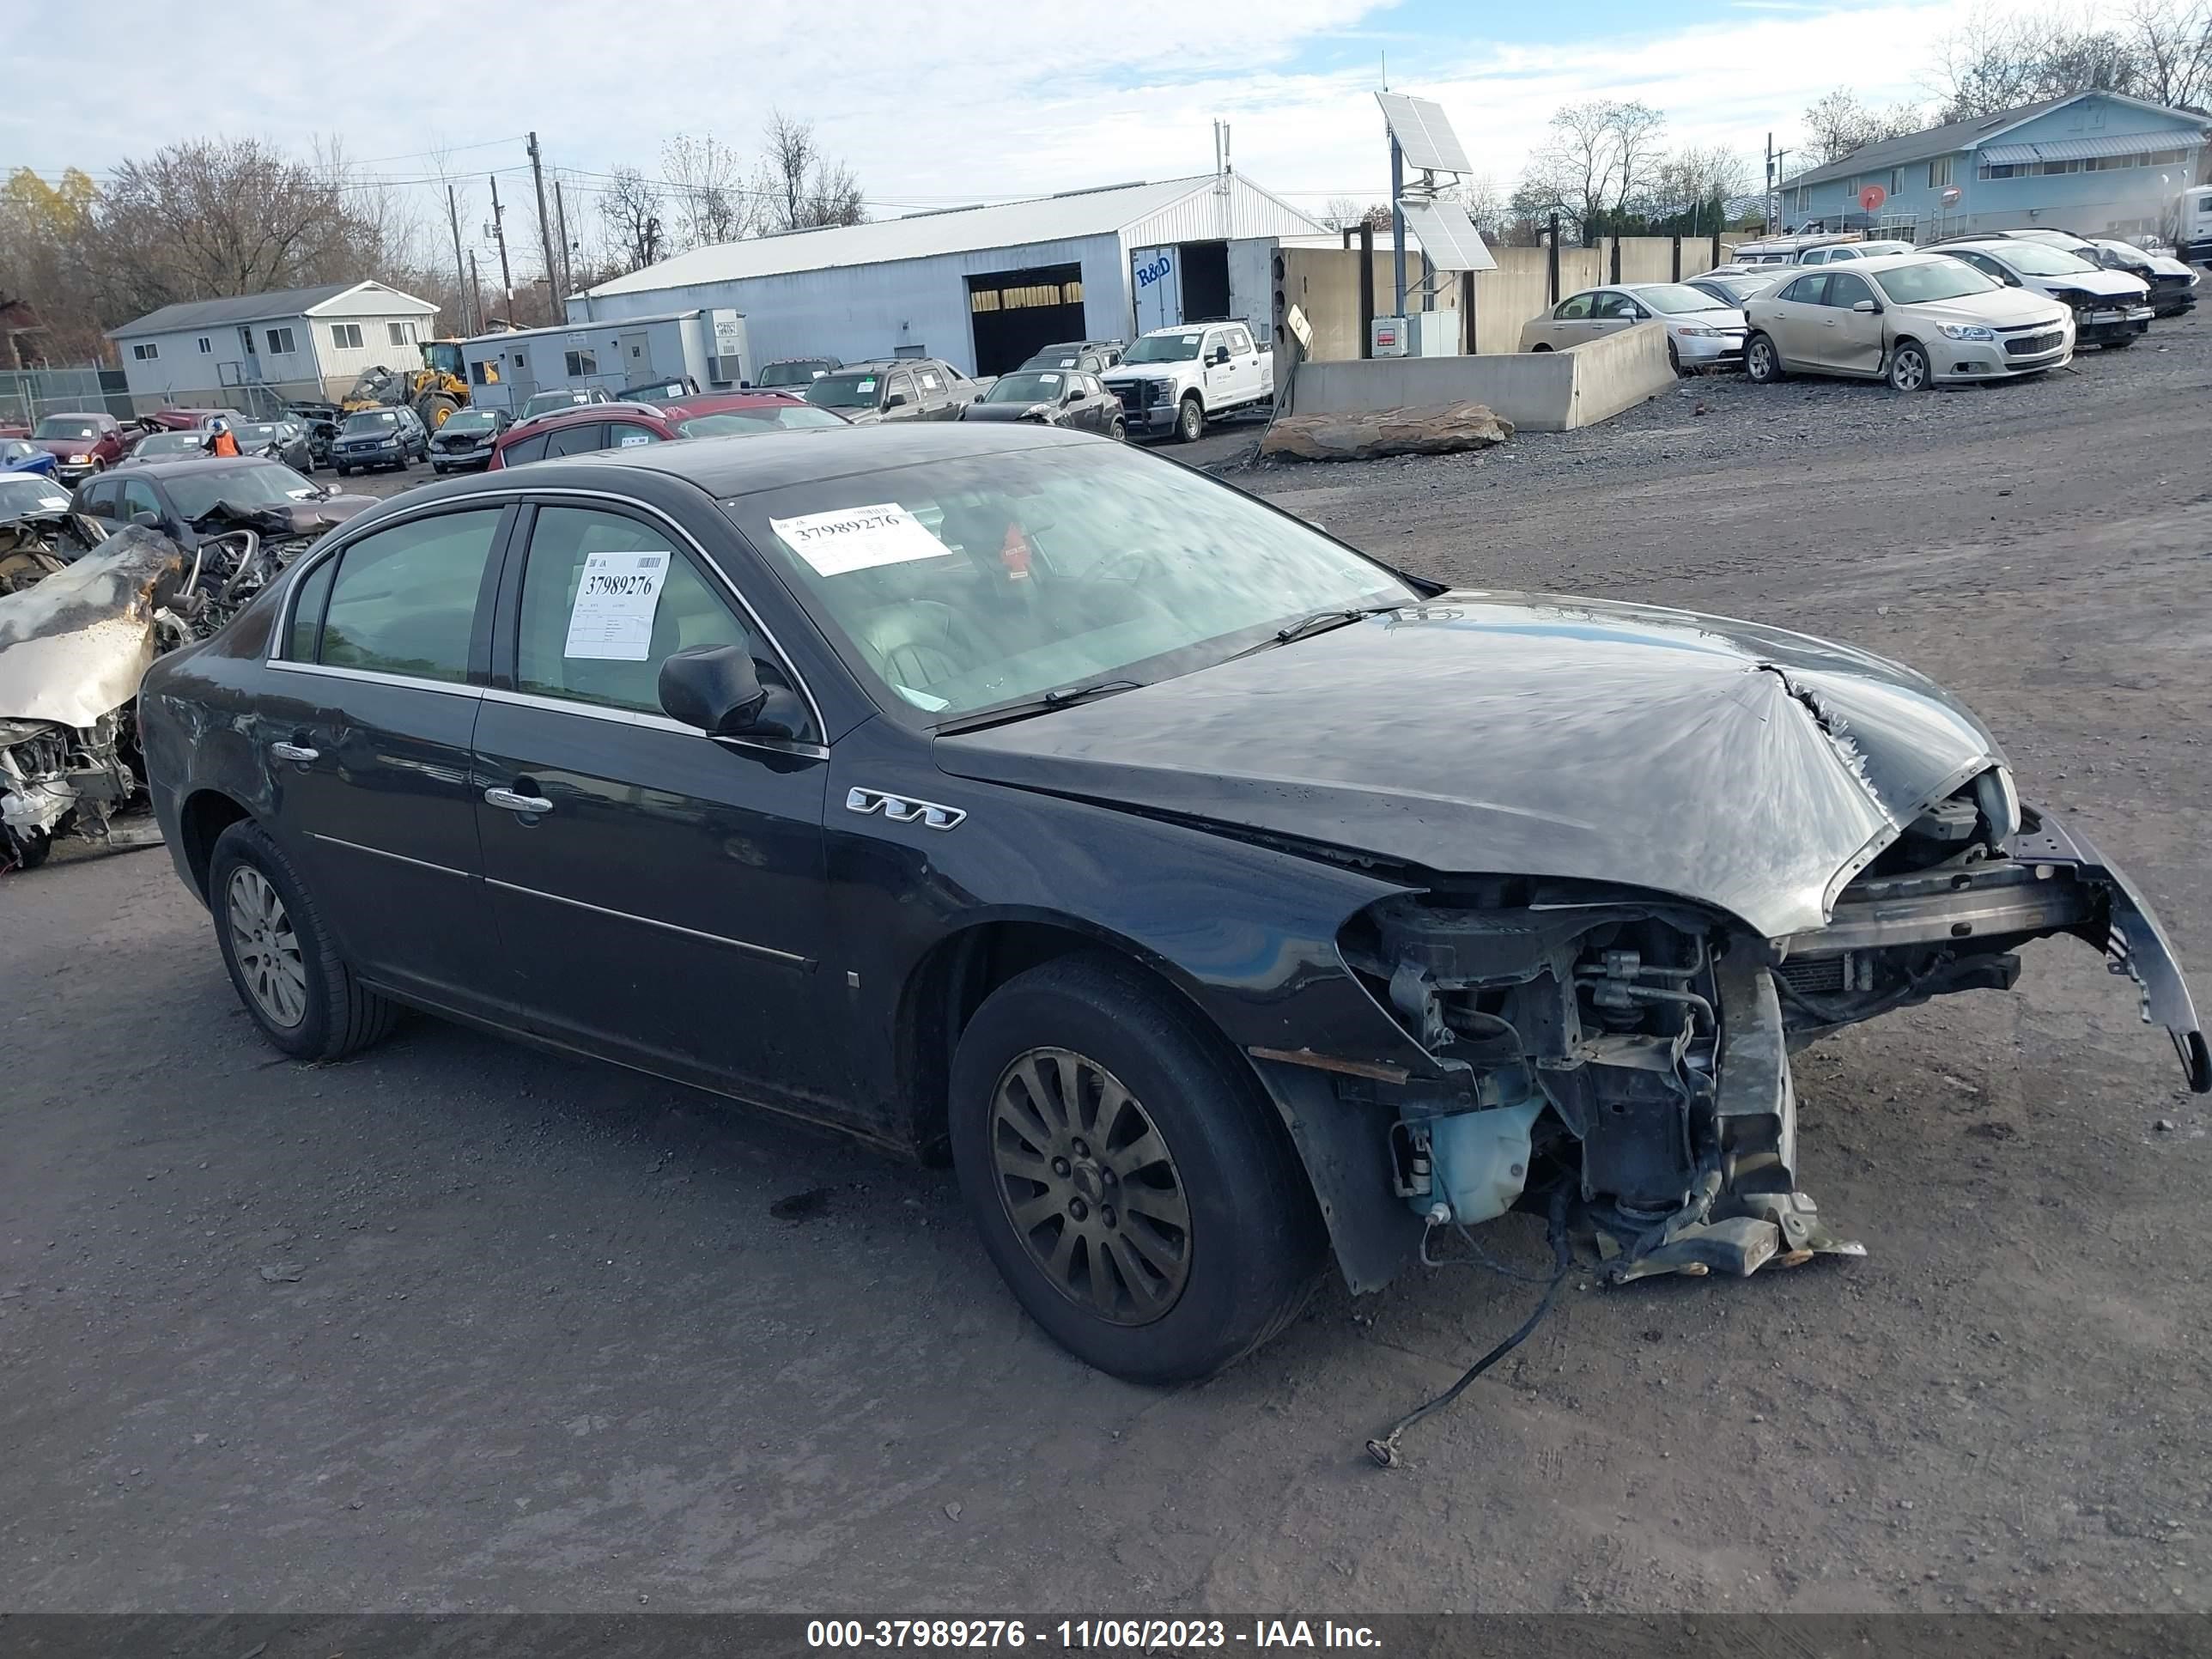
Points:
[82,444]
[587,427]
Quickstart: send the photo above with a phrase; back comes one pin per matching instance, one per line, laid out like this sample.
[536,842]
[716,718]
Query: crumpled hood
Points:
[1741,767]
[76,646]
[2104,284]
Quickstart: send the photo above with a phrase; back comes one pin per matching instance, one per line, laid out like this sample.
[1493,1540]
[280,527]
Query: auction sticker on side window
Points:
[858,538]
[612,620]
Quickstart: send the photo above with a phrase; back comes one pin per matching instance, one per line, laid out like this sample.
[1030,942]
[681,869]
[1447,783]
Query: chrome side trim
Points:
[397,858]
[903,808]
[281,632]
[745,945]
[369,675]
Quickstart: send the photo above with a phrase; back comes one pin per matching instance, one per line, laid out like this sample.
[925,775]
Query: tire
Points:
[1674,360]
[1909,367]
[300,993]
[1119,432]
[438,467]
[1762,363]
[1251,1246]
[2123,343]
[1190,419]
[32,848]
[345,472]
[433,407]
[1535,349]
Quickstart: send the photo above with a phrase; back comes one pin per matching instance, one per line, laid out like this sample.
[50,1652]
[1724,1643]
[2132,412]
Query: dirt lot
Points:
[457,1325]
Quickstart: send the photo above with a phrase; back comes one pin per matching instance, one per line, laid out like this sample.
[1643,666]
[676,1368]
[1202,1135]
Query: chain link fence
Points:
[28,394]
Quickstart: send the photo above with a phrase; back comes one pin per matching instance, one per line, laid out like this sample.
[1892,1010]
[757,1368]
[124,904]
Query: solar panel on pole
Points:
[1424,134]
[1448,236]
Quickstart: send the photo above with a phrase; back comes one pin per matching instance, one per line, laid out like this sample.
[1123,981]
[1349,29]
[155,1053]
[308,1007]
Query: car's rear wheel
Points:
[345,472]
[1909,369]
[1128,1178]
[1119,431]
[1190,419]
[1761,362]
[282,961]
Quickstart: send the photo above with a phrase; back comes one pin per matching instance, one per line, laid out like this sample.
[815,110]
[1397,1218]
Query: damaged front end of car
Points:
[1640,1049]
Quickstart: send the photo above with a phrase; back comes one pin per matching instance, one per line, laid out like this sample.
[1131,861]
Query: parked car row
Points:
[1962,310]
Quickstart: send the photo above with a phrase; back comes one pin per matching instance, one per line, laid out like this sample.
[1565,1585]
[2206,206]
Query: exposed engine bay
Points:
[1639,1050]
[77,639]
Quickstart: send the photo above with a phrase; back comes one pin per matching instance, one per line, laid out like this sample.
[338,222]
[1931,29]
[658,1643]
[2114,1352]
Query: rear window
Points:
[768,417]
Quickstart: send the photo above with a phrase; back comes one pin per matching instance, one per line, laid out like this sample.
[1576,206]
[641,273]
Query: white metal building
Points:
[303,342]
[708,348]
[984,286]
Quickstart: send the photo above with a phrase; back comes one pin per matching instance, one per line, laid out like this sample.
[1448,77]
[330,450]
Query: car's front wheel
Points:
[1119,431]
[284,962]
[1190,419]
[1761,362]
[1909,370]
[1128,1176]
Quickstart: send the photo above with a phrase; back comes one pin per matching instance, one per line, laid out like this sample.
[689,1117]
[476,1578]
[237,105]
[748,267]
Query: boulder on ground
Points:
[1366,436]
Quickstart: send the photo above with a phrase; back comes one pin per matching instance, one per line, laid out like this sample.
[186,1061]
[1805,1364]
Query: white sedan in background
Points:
[1702,331]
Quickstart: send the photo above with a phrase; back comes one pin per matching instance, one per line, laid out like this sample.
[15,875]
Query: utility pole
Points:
[546,228]
[561,215]
[499,235]
[460,276]
[1766,205]
[476,284]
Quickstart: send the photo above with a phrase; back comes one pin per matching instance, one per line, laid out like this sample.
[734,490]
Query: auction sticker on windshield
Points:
[612,619]
[858,538]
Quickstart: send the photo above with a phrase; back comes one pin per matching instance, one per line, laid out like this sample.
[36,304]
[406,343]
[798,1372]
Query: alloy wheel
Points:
[1089,1184]
[266,948]
[1909,372]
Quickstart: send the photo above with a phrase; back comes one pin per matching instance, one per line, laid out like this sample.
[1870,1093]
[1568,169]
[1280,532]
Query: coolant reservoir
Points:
[1481,1159]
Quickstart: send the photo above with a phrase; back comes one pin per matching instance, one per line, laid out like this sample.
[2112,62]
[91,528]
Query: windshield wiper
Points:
[1039,705]
[1320,623]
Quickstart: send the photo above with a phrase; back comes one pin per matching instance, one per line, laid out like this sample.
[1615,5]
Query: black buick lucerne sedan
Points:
[1216,897]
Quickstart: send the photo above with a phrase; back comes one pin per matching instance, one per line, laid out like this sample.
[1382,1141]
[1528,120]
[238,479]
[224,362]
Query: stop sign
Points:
[1873,196]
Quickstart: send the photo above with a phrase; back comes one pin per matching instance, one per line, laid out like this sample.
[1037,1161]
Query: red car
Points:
[82,444]
[587,427]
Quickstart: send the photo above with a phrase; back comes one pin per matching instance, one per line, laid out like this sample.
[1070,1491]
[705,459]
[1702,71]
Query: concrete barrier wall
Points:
[1538,391]
[1325,282]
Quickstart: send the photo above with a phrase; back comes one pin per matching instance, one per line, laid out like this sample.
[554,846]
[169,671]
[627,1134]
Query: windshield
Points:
[1741,288]
[369,420]
[1676,297]
[2036,260]
[1037,388]
[661,392]
[1937,279]
[765,417]
[248,484]
[846,390]
[260,431]
[545,400]
[961,585]
[1164,349]
[472,420]
[19,496]
[798,372]
[66,426]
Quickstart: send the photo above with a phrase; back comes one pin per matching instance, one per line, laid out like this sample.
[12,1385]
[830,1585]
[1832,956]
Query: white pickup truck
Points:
[1176,379]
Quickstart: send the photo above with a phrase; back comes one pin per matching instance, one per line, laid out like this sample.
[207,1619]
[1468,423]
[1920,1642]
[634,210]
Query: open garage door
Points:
[1017,313]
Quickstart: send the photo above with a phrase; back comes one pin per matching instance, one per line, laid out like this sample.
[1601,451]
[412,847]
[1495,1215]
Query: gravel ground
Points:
[457,1325]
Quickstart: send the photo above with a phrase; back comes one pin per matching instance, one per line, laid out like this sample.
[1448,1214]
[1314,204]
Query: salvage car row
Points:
[1960,311]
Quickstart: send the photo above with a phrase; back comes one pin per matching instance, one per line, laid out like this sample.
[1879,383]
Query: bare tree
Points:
[2161,50]
[1637,132]
[2172,46]
[1342,212]
[1837,123]
[707,186]
[1597,158]
[801,187]
[630,208]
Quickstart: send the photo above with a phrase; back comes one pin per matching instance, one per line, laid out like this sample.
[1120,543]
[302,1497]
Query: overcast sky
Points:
[933,103]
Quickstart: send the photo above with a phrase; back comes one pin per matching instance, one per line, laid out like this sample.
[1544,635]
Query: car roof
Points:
[76,415]
[711,403]
[185,465]
[576,414]
[741,465]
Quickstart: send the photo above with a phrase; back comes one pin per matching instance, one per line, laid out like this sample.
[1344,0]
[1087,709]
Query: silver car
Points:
[1702,331]
[1914,319]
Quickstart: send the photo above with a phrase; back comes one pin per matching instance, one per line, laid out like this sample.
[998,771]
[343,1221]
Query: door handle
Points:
[294,751]
[516,803]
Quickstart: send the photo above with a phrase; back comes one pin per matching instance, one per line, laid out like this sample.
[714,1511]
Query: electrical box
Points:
[1432,334]
[1386,337]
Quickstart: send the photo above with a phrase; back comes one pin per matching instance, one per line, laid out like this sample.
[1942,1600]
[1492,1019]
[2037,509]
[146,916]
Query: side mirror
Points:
[1220,355]
[717,689]
[1071,395]
[897,400]
[1866,308]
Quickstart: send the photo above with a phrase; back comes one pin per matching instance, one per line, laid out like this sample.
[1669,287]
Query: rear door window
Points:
[404,600]
[581,439]
[524,450]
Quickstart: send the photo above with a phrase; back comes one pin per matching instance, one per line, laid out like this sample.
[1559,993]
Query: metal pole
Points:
[1467,312]
[1397,227]
[460,272]
[1552,264]
[475,283]
[1366,289]
[499,235]
[561,213]
[1766,205]
[545,231]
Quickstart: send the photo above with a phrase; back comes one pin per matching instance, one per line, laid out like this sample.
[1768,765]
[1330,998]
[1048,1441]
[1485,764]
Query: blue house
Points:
[2097,163]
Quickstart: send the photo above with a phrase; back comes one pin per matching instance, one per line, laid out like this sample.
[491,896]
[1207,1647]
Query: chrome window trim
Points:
[598,711]
[376,676]
[281,633]
[745,945]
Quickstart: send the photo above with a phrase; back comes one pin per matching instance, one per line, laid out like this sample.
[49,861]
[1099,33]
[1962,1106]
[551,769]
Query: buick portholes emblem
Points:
[900,808]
